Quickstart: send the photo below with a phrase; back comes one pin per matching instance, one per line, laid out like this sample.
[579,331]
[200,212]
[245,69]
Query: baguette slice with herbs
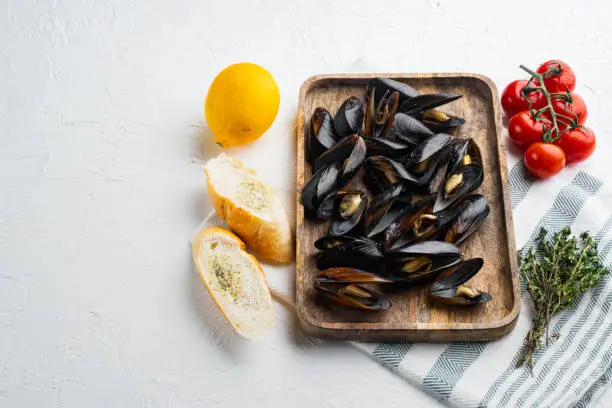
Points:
[234,280]
[250,208]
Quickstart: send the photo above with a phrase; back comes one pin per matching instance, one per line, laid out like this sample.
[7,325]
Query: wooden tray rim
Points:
[511,318]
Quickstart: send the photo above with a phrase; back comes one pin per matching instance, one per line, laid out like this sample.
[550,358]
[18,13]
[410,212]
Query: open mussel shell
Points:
[385,172]
[383,210]
[379,115]
[320,185]
[408,129]
[349,118]
[377,146]
[438,121]
[415,221]
[462,153]
[465,218]
[341,205]
[328,241]
[349,152]
[348,275]
[351,210]
[424,102]
[354,296]
[322,134]
[382,86]
[450,286]
[424,160]
[459,184]
[353,163]
[359,252]
[419,268]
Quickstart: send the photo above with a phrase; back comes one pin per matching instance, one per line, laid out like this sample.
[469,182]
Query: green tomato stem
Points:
[554,133]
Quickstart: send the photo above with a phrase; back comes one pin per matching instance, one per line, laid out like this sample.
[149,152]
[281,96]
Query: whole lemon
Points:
[242,104]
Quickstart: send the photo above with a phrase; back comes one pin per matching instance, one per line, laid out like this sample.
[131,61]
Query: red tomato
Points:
[577,106]
[512,99]
[524,130]
[578,144]
[544,160]
[560,82]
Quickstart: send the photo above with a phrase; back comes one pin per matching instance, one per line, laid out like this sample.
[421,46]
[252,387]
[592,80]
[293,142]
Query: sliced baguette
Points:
[250,208]
[234,280]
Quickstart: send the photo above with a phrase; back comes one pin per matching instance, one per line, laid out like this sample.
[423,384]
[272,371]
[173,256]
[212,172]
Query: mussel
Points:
[385,208]
[378,146]
[322,134]
[328,241]
[349,118]
[422,261]
[320,185]
[346,208]
[439,121]
[425,159]
[408,129]
[465,218]
[382,172]
[379,116]
[359,252]
[382,86]
[464,173]
[415,222]
[424,102]
[349,152]
[353,295]
[348,275]
[450,286]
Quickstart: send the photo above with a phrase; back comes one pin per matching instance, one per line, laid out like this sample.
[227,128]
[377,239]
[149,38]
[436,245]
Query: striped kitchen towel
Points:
[572,371]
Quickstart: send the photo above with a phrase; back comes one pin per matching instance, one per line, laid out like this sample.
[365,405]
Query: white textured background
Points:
[101,133]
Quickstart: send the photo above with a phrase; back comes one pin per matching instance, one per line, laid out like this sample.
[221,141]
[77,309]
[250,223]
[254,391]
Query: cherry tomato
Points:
[577,106]
[544,160]
[512,99]
[524,130]
[578,144]
[560,82]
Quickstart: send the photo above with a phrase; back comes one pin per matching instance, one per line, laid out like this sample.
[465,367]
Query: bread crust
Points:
[271,240]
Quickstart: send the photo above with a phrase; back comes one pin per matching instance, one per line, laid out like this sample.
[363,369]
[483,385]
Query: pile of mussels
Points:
[420,179]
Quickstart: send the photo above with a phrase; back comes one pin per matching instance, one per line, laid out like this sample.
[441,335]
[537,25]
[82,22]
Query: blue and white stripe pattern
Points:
[572,371]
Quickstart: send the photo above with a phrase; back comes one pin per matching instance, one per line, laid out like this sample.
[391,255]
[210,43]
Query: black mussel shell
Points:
[321,184]
[439,122]
[379,116]
[439,174]
[348,275]
[419,268]
[391,171]
[338,153]
[450,286]
[403,225]
[424,102]
[386,147]
[362,253]
[353,163]
[349,118]
[378,215]
[467,216]
[351,222]
[428,248]
[459,184]
[425,159]
[354,296]
[408,129]
[383,86]
[328,241]
[322,134]
[341,205]
[463,152]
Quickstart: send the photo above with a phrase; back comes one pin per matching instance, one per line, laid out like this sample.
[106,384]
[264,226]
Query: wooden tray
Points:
[413,316]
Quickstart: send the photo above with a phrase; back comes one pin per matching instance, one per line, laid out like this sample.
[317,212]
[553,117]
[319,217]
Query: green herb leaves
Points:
[556,273]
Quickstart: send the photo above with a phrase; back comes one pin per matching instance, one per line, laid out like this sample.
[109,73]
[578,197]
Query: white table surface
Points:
[101,136]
